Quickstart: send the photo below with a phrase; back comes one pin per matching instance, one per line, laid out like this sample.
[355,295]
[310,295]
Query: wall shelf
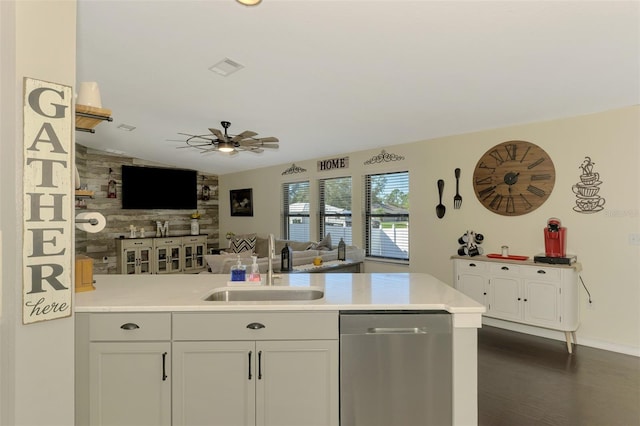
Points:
[88,117]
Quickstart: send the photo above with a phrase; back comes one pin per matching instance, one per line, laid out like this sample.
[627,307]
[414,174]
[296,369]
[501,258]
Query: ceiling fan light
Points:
[225,147]
[249,2]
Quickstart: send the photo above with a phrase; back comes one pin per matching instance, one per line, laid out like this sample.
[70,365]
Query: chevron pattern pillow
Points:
[243,243]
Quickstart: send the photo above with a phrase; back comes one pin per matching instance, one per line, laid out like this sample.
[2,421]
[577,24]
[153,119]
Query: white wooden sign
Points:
[333,164]
[48,217]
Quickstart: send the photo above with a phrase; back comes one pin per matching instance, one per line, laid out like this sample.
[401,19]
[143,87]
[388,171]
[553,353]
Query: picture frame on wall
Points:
[241,202]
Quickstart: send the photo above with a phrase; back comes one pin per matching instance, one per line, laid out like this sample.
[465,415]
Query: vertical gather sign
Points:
[47,217]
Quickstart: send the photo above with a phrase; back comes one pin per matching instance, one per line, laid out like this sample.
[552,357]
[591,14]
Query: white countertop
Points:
[171,293]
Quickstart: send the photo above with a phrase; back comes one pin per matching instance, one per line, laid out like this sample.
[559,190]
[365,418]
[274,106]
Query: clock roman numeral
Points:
[496,155]
[528,205]
[495,203]
[511,207]
[535,163]
[482,165]
[511,150]
[525,154]
[536,191]
[487,192]
[484,181]
[541,177]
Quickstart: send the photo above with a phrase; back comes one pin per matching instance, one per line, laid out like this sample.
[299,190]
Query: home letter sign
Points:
[47,218]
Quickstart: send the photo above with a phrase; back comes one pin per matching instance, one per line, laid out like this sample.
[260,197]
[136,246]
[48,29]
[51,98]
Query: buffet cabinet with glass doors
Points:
[535,294]
[181,254]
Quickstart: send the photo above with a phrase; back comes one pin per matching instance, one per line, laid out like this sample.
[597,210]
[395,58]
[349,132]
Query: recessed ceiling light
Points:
[226,67]
[126,127]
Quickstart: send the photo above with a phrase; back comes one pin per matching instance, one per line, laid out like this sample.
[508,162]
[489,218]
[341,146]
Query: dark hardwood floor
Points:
[529,380]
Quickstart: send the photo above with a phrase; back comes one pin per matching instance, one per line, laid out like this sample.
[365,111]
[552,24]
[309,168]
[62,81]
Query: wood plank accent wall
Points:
[93,168]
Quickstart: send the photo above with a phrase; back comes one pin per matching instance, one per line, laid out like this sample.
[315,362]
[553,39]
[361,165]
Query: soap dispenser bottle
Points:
[286,258]
[255,270]
[238,271]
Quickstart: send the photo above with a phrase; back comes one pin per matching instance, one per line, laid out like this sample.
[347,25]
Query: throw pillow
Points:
[325,243]
[243,243]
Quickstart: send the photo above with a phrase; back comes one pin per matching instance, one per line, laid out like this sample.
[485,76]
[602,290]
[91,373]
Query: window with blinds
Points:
[335,209]
[296,211]
[387,215]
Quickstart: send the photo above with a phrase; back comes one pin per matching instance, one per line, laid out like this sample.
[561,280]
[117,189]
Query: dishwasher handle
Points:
[397,330]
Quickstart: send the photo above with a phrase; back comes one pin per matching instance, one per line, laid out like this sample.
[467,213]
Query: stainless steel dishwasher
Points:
[395,368]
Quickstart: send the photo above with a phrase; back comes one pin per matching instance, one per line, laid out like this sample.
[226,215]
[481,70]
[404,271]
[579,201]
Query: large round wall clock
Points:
[514,178]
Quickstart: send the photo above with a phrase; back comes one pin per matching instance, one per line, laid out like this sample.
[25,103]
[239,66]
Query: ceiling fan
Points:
[229,144]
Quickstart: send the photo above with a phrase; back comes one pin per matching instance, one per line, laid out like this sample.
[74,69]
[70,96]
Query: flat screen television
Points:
[159,188]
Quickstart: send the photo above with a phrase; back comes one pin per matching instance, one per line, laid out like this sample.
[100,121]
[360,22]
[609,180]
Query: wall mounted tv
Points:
[159,188]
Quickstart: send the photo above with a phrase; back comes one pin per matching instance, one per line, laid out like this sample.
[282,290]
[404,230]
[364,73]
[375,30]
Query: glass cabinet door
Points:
[145,261]
[188,257]
[162,260]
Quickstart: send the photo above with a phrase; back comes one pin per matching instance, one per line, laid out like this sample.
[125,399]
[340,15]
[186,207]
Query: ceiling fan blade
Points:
[268,139]
[215,148]
[217,132]
[193,146]
[244,135]
[269,146]
[255,150]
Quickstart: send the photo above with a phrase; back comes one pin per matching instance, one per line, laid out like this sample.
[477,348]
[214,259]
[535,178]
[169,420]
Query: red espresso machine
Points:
[555,244]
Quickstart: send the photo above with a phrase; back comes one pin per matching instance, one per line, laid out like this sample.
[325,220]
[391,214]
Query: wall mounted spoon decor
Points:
[440,208]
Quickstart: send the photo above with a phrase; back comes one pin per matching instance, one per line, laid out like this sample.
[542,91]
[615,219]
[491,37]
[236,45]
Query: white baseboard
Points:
[559,335]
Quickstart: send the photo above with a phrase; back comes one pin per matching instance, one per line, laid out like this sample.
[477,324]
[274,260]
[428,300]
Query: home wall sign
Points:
[47,217]
[333,164]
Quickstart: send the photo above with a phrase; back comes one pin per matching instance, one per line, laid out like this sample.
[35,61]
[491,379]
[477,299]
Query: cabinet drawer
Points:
[195,239]
[542,273]
[163,242]
[266,326]
[129,326]
[471,265]
[507,269]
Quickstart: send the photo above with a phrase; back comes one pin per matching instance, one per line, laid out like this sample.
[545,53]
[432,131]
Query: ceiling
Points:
[332,77]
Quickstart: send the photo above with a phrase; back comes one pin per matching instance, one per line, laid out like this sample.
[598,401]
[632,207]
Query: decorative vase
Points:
[195,227]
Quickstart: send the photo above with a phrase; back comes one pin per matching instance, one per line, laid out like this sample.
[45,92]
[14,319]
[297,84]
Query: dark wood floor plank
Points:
[528,380]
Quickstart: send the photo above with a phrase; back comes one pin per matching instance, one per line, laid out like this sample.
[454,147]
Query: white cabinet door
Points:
[542,303]
[214,383]
[474,286]
[505,298]
[297,383]
[129,383]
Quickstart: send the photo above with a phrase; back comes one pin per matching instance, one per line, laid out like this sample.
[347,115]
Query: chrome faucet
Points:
[271,255]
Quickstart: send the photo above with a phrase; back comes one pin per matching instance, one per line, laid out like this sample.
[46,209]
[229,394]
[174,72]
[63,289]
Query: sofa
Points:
[248,245]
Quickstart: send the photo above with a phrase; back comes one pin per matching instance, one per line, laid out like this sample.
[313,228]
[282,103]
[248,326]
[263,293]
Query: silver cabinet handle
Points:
[397,330]
[129,326]
[255,326]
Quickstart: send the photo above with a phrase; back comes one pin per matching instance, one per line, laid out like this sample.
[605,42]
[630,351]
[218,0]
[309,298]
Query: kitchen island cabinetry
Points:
[535,294]
[271,378]
[272,361]
[124,364]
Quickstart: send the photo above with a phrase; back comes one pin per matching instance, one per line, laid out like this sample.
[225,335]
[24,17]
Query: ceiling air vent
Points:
[226,67]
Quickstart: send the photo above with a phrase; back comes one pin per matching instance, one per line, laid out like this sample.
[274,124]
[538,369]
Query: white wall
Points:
[36,361]
[611,268]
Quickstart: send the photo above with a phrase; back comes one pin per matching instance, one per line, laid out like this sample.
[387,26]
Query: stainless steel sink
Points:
[263,294]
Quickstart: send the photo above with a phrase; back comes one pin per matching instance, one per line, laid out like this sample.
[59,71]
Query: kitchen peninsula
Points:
[158,336]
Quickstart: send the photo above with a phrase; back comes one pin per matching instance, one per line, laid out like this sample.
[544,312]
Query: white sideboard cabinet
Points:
[161,255]
[530,293]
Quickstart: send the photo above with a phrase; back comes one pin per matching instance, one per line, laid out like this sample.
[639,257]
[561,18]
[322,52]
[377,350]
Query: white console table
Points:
[535,294]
